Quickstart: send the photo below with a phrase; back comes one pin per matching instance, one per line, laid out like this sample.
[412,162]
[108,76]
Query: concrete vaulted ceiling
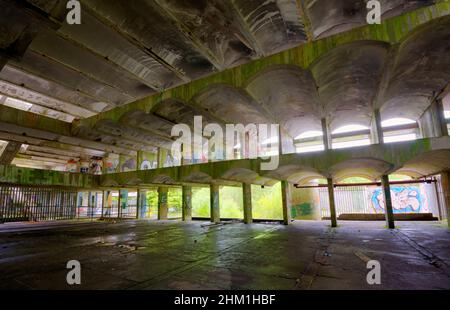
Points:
[135,51]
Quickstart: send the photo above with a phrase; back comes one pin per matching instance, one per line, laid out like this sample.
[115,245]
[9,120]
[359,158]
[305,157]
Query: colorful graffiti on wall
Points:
[404,200]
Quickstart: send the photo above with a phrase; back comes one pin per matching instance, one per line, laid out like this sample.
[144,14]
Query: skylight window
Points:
[310,148]
[18,104]
[352,143]
[396,122]
[309,134]
[400,138]
[350,128]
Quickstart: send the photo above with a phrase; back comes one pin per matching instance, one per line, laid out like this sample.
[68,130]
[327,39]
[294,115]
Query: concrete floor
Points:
[176,255]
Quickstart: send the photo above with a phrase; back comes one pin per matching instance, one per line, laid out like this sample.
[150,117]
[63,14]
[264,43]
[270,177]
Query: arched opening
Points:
[399,129]
[355,180]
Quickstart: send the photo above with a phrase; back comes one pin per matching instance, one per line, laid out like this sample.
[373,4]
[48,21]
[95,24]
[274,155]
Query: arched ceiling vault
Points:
[421,72]
[369,168]
[348,79]
[289,94]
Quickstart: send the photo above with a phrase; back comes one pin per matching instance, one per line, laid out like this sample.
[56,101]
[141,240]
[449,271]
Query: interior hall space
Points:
[225,145]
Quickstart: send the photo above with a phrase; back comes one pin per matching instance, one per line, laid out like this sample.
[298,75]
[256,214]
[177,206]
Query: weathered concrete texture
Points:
[177,255]
[24,176]
[420,73]
[331,17]
[416,158]
[445,181]
[9,152]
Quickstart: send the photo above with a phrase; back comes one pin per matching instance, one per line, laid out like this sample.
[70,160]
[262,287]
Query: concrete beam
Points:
[388,211]
[214,202]
[332,203]
[432,123]
[377,158]
[10,151]
[25,176]
[247,197]
[187,203]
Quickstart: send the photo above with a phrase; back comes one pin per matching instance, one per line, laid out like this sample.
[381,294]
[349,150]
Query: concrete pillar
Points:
[440,118]
[445,182]
[123,201]
[187,203]
[280,142]
[332,202]
[377,128]
[247,197]
[119,204]
[163,208]
[158,158]
[104,201]
[286,202]
[142,203]
[214,203]
[388,211]
[327,139]
[138,203]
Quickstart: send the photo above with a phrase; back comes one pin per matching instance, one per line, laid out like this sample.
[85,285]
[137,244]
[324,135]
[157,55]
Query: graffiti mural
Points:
[404,200]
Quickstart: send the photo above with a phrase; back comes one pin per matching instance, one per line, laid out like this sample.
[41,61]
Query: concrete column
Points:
[388,211]
[440,118]
[124,200]
[138,203]
[327,139]
[280,142]
[90,205]
[163,208]
[158,158]
[187,203]
[119,205]
[332,202]
[104,201]
[214,203]
[445,182]
[377,129]
[247,197]
[286,202]
[142,199]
